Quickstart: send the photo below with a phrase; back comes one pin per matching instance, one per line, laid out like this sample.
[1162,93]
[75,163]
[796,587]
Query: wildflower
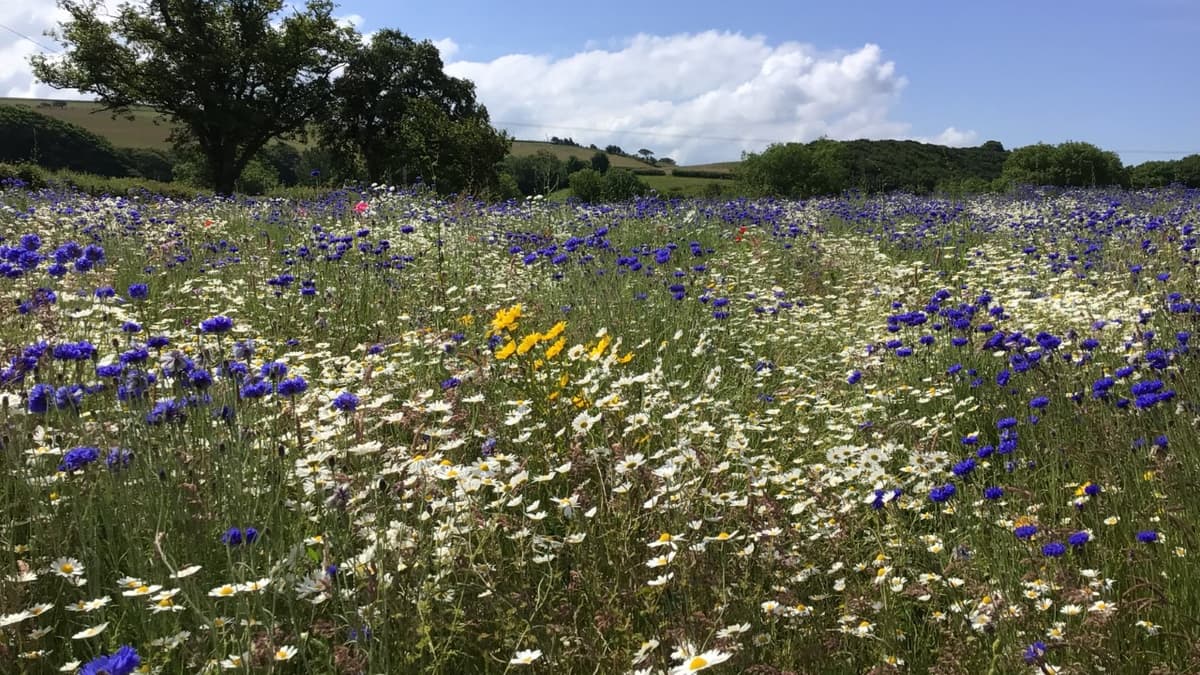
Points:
[216,325]
[525,657]
[1079,538]
[291,387]
[90,632]
[942,493]
[345,402]
[123,662]
[67,567]
[286,652]
[700,662]
[1034,652]
[139,291]
[993,492]
[1147,536]
[1053,549]
[78,458]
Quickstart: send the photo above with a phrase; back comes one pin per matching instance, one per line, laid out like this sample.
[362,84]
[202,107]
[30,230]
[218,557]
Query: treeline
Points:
[593,180]
[825,167]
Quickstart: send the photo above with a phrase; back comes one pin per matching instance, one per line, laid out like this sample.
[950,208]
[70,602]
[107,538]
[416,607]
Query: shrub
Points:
[148,163]
[622,184]
[587,185]
[648,172]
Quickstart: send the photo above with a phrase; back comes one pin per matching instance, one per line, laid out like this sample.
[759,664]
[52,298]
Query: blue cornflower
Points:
[110,370]
[158,341]
[1146,387]
[964,467]
[217,324]
[292,387]
[854,377]
[274,370]
[78,458]
[1039,402]
[255,389]
[251,535]
[1025,531]
[1147,536]
[232,537]
[346,402]
[131,327]
[139,291]
[123,662]
[942,493]
[1079,538]
[993,493]
[1034,652]
[200,379]
[451,382]
[1006,423]
[1054,549]
[118,459]
[40,397]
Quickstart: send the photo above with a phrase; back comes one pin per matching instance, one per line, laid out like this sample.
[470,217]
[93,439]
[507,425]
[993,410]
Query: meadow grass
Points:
[377,432]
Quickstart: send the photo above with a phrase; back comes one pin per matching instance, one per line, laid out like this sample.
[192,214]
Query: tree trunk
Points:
[222,170]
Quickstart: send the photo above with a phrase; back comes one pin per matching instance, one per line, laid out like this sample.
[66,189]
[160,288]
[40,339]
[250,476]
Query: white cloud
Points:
[695,97]
[447,47]
[954,137]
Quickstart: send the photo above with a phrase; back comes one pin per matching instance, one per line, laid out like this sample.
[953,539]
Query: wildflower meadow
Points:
[383,432]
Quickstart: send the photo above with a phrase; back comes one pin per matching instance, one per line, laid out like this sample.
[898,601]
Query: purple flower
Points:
[1025,531]
[123,662]
[993,492]
[1053,549]
[78,458]
[217,324]
[346,402]
[1079,538]
[1147,536]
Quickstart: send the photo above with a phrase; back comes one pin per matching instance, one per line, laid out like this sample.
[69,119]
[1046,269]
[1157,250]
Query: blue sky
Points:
[706,80]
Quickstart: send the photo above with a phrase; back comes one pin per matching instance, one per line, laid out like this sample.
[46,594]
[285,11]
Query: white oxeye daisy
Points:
[700,662]
[90,632]
[67,567]
[525,657]
[285,653]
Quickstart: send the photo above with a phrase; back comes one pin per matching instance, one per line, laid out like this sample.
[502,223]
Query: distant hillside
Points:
[523,148]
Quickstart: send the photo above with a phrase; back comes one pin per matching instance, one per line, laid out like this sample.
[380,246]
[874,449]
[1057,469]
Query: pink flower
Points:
[361,208]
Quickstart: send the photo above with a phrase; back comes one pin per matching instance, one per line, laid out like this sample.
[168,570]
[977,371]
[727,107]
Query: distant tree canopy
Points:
[231,74]
[1184,171]
[398,113]
[234,75]
[32,137]
[1070,164]
[829,167]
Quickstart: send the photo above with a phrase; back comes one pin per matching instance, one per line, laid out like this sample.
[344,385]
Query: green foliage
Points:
[29,136]
[507,187]
[622,184]
[910,166]
[588,185]
[702,173]
[574,164]
[31,175]
[1184,171]
[600,162]
[257,178]
[538,174]
[230,74]
[648,172]
[284,160]
[796,169]
[149,163]
[397,111]
[1070,164]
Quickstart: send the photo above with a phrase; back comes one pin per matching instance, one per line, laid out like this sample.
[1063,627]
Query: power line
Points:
[26,37]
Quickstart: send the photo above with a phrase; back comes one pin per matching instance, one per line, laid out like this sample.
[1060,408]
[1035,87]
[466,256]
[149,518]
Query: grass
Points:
[451,437]
[563,152]
[140,132]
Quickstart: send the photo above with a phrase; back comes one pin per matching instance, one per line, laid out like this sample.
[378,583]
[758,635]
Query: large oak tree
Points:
[231,75]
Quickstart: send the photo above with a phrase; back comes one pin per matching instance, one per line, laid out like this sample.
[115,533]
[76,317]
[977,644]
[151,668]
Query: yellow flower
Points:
[507,350]
[506,318]
[554,349]
[466,320]
[554,331]
[528,342]
[598,350]
[626,359]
